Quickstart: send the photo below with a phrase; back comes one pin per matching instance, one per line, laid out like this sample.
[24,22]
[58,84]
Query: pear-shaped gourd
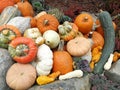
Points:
[52,38]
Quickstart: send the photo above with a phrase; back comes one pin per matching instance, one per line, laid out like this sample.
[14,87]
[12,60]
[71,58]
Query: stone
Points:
[70,84]
[114,73]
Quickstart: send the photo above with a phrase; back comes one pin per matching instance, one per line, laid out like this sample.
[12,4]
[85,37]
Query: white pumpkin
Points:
[52,38]
[39,40]
[44,52]
[32,33]
[44,67]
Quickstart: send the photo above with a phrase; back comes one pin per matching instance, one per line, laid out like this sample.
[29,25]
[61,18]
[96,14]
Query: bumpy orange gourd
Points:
[5,3]
[98,39]
[26,8]
[84,21]
[47,22]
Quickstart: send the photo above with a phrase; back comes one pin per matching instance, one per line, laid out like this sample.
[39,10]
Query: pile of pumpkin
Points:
[43,48]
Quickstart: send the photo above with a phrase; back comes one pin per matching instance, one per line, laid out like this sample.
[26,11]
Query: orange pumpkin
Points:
[78,46]
[21,76]
[62,61]
[16,1]
[47,22]
[5,3]
[100,30]
[98,39]
[26,8]
[84,21]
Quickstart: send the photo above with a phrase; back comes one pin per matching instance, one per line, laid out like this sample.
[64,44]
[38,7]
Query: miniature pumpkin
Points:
[98,39]
[47,22]
[62,60]
[45,60]
[26,8]
[78,46]
[67,31]
[21,76]
[84,21]
[52,38]
[5,3]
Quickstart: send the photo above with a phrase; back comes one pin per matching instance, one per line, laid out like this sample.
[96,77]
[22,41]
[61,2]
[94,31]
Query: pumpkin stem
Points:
[61,45]
[46,22]
[85,19]
[22,1]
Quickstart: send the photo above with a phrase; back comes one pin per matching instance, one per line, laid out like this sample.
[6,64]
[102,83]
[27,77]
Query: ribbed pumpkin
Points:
[84,21]
[5,3]
[98,39]
[26,8]
[62,61]
[47,22]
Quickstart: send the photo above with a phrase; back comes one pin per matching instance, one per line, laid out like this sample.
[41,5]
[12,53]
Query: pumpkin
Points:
[67,31]
[5,63]
[45,58]
[26,8]
[98,39]
[21,76]
[100,30]
[47,22]
[5,3]
[16,1]
[78,46]
[32,33]
[62,60]
[84,21]
[22,49]
[51,38]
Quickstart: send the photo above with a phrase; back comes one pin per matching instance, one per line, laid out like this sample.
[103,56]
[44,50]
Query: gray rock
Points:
[70,84]
[5,62]
[114,73]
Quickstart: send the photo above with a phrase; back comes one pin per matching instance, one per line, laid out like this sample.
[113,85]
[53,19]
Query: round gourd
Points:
[5,63]
[21,76]
[98,39]
[52,38]
[84,21]
[47,22]
[78,46]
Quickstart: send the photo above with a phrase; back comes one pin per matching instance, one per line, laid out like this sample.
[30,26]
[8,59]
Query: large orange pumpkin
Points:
[98,39]
[84,21]
[47,22]
[62,61]
[5,3]
[26,8]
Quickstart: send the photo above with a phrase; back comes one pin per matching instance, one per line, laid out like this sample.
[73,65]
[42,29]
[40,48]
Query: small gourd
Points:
[67,31]
[72,74]
[32,33]
[52,38]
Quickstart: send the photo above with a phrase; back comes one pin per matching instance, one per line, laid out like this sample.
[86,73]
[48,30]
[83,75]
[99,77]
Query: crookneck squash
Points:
[109,36]
[8,13]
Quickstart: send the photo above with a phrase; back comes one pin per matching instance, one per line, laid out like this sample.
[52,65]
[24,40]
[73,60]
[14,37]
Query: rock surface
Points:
[5,62]
[114,73]
[70,84]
